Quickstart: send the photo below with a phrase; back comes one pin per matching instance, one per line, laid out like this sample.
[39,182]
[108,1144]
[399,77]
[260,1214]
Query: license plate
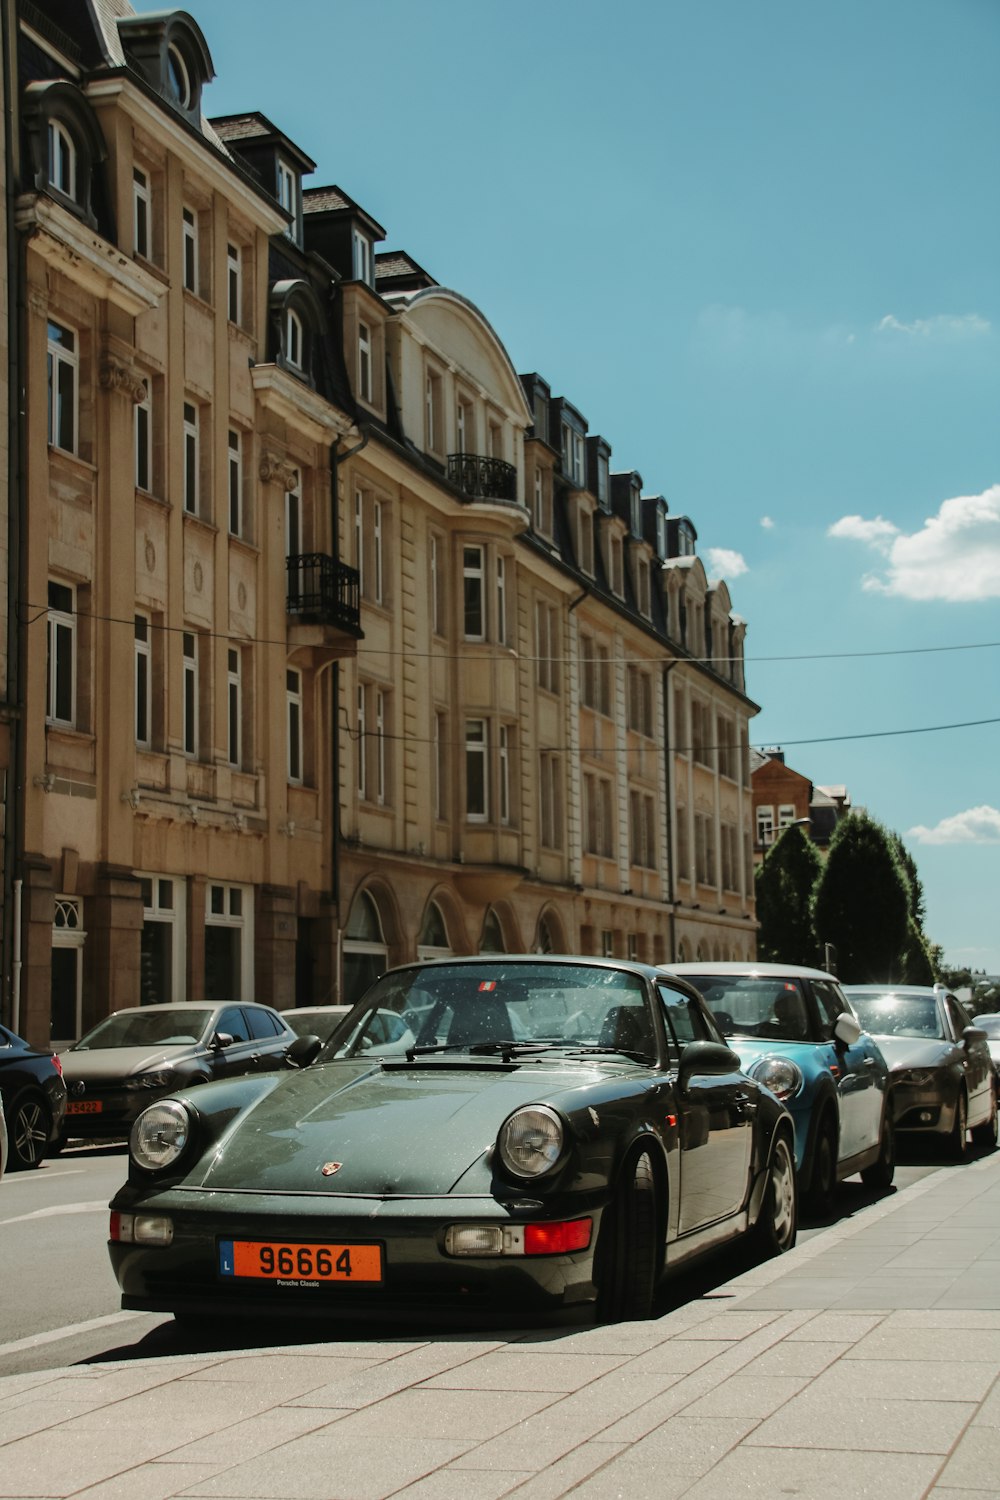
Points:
[84,1106]
[296,1263]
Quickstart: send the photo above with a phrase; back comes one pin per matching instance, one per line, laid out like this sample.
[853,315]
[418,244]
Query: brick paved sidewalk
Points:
[864,1363]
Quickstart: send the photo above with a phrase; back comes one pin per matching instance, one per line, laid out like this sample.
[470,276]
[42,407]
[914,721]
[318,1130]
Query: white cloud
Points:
[767,523]
[722,563]
[955,556]
[878,533]
[979,825]
[943,325]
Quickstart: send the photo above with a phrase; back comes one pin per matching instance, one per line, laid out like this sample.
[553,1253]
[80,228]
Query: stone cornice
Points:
[301,407]
[85,256]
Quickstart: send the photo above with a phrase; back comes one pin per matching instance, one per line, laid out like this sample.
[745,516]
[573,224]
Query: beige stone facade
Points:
[341,642]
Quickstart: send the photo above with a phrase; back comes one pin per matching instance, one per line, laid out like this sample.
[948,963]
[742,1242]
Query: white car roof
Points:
[748,967]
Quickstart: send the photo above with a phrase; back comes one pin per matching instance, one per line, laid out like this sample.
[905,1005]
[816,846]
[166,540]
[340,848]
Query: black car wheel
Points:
[986,1133]
[958,1142]
[823,1183]
[777,1223]
[628,1247]
[880,1174]
[28,1129]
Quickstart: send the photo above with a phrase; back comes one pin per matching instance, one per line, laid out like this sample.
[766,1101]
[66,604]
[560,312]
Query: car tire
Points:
[985,1135]
[627,1248]
[958,1141]
[823,1181]
[881,1172]
[777,1223]
[28,1130]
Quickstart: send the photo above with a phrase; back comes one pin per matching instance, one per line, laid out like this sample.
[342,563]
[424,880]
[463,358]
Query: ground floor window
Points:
[68,938]
[228,942]
[366,954]
[161,953]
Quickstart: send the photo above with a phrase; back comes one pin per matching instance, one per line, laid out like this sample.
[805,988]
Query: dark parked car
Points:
[943,1078]
[135,1056]
[796,1033]
[543,1131]
[34,1099]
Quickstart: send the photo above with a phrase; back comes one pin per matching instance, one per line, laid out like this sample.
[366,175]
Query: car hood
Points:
[108,1063]
[913,1052]
[393,1130]
[749,1049]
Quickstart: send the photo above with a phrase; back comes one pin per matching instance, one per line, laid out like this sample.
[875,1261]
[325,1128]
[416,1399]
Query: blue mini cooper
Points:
[795,1032]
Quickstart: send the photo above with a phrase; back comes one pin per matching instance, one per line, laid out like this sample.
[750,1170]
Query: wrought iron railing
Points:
[481,477]
[324,591]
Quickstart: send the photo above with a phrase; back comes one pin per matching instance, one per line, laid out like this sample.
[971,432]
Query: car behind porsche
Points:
[545,1131]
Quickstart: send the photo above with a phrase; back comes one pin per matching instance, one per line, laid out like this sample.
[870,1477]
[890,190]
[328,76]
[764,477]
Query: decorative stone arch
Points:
[701,956]
[550,933]
[452,916]
[371,940]
[682,951]
[500,932]
[434,940]
[168,49]
[432,309]
[62,107]
[293,305]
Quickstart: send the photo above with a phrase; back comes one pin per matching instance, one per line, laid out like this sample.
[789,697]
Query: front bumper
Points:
[920,1108]
[417,1273]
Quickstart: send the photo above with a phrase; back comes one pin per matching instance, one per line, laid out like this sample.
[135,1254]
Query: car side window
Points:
[233,1021]
[831,1005]
[685,1020]
[262,1025]
[958,1016]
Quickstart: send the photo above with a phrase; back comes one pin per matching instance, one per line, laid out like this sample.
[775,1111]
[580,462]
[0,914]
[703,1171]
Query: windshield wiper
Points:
[630,1052]
[482,1049]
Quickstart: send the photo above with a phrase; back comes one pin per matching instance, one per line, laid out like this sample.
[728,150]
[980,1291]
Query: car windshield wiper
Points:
[482,1049]
[632,1052]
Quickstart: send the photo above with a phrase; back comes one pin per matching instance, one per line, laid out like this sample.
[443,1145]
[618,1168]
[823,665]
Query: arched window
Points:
[168,49]
[65,145]
[296,326]
[179,76]
[546,938]
[491,940]
[294,339]
[365,952]
[434,942]
[61,159]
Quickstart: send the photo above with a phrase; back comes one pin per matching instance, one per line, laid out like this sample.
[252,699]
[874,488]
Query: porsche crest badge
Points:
[329,1167]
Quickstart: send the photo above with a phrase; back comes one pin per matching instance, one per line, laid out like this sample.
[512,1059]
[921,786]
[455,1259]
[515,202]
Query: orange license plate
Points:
[84,1106]
[295,1263]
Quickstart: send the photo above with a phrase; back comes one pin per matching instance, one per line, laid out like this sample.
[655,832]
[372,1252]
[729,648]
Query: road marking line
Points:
[98,1206]
[23,1178]
[71,1330]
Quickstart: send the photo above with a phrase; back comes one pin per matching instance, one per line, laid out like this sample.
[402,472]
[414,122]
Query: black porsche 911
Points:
[535,1130]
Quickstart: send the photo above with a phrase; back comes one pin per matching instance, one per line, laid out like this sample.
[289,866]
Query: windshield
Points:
[321,1023]
[752,1005]
[989,1024]
[899,1015]
[489,1005]
[152,1028]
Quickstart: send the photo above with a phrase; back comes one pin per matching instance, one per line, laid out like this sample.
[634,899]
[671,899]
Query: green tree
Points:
[784,887]
[918,905]
[862,903]
[916,965]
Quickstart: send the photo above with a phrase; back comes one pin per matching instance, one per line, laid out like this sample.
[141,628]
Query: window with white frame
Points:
[68,942]
[144,441]
[361,741]
[550,800]
[640,700]
[366,954]
[465,441]
[288,195]
[63,383]
[585,539]
[615,566]
[433,434]
[362,247]
[573,454]
[607,943]
[190,692]
[595,675]
[503,770]
[438,583]
[547,645]
[234,705]
[786,815]
[293,519]
[365,384]
[294,340]
[61,641]
[477,801]
[62,159]
[474,592]
[192,458]
[642,830]
[190,226]
[228,942]
[293,723]
[501,595]
[542,507]
[440,753]
[603,481]
[765,825]
[179,76]
[377,552]
[373,741]
[704,851]
[598,834]
[381,746]
[161,954]
[235,467]
[143,681]
[142,208]
[642,585]
[370,520]
[234,283]
[730,857]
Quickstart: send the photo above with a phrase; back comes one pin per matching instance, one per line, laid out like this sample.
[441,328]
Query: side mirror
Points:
[973,1034]
[222,1039]
[712,1058]
[846,1029]
[303,1051]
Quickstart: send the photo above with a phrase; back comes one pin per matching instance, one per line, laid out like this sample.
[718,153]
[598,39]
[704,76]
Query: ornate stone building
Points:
[339,642]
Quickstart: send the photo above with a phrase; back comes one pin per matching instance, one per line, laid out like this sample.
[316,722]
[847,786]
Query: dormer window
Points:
[685,541]
[364,362]
[294,340]
[363,268]
[296,323]
[572,454]
[661,534]
[603,470]
[288,195]
[179,77]
[635,512]
[62,159]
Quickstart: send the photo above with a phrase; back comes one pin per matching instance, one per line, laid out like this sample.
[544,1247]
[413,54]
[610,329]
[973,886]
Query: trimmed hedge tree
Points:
[862,903]
[784,885]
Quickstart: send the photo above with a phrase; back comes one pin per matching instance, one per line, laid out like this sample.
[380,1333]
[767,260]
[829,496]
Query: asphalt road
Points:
[59,1300]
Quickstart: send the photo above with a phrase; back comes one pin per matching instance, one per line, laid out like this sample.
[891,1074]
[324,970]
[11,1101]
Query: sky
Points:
[758,247]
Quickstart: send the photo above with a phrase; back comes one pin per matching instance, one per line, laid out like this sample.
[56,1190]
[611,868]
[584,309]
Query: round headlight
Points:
[159,1135]
[778,1074]
[531,1141]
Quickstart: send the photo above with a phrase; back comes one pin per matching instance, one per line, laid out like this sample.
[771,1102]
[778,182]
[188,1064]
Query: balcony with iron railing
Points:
[480,477]
[323,591]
